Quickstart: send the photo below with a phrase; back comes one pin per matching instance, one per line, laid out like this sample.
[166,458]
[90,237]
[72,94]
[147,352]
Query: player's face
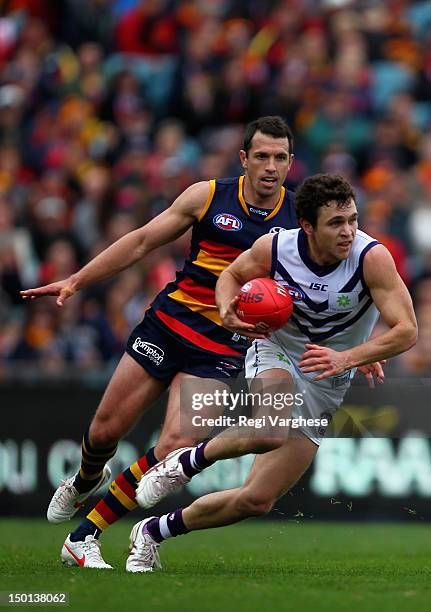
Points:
[266,165]
[332,239]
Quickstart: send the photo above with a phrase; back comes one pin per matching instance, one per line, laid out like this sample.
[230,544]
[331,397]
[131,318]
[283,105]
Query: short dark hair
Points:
[272,126]
[317,191]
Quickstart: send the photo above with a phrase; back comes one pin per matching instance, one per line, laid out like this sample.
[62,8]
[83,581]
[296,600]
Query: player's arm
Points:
[132,247]
[253,263]
[392,299]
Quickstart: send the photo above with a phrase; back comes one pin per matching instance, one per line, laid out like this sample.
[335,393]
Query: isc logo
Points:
[318,287]
[226,221]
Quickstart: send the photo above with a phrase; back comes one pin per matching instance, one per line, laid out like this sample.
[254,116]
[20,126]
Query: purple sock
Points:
[167,526]
[194,460]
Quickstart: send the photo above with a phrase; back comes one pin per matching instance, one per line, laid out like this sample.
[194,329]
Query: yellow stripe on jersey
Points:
[212,264]
[210,312]
[209,200]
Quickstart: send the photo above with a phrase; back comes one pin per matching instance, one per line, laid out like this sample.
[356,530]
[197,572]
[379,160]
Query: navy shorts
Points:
[163,354]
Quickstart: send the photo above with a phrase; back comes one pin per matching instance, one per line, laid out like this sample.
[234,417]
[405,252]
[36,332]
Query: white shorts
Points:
[319,400]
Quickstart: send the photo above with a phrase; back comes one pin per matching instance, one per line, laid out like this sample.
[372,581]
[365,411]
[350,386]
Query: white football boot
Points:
[83,553]
[164,478]
[66,501]
[143,551]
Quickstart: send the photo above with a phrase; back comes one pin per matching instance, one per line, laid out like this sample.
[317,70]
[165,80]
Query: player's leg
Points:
[272,475]
[145,370]
[181,466]
[121,497]
[173,436]
[205,373]
[129,392]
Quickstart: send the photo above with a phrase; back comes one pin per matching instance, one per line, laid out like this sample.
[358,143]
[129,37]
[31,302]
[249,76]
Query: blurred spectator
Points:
[150,28]
[18,262]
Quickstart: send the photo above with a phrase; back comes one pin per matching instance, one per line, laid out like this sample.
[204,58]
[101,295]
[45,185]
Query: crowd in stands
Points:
[110,108]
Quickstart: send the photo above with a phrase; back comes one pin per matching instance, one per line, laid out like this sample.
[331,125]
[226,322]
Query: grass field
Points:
[254,566]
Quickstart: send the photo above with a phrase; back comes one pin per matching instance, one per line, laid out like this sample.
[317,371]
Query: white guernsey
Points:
[332,305]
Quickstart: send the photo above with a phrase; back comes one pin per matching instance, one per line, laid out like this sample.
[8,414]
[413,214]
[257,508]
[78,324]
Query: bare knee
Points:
[249,503]
[104,432]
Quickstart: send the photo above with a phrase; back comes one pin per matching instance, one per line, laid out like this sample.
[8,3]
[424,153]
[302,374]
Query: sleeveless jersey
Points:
[332,304]
[226,227]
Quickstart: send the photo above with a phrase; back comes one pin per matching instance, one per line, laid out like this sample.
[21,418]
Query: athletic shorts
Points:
[163,354]
[318,400]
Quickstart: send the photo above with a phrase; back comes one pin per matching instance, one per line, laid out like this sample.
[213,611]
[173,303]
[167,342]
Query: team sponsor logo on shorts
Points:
[147,349]
[228,222]
[295,293]
[277,230]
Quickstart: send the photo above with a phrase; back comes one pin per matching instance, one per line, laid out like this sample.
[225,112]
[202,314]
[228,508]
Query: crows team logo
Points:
[228,222]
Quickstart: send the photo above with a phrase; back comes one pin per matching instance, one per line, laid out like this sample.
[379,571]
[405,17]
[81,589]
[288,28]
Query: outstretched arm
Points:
[391,297]
[126,251]
[253,263]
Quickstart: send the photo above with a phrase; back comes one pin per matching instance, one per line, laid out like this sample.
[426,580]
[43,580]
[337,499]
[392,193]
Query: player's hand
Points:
[231,321]
[64,289]
[372,370]
[323,359]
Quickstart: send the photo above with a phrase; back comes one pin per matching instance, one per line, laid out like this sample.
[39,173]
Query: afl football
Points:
[264,303]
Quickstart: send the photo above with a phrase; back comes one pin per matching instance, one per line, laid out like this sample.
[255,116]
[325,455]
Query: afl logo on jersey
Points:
[295,293]
[228,222]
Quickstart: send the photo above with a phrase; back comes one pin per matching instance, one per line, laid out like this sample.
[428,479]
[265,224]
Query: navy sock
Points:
[93,460]
[194,460]
[86,528]
[151,457]
[167,526]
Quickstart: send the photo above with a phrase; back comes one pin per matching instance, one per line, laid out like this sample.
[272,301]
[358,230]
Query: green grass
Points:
[253,566]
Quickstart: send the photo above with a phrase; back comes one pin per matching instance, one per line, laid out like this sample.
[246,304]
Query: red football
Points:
[265,303]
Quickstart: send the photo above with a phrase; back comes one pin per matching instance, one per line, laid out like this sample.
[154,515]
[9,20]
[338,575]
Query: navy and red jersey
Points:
[226,227]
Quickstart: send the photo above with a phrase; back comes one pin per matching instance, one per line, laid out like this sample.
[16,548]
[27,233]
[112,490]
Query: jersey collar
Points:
[318,269]
[244,205]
